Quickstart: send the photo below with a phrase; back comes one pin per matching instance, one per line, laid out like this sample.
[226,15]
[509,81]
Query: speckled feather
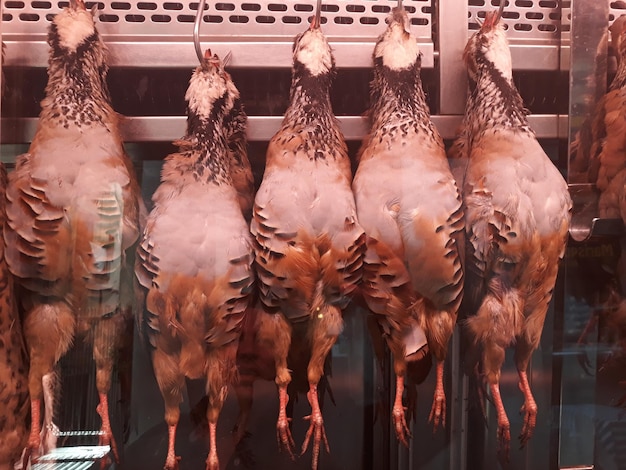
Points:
[74,213]
[517,209]
[410,208]
[14,408]
[195,256]
[309,245]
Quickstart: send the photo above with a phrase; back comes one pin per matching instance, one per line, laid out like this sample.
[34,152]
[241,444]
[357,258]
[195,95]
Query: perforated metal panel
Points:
[240,18]
[536,20]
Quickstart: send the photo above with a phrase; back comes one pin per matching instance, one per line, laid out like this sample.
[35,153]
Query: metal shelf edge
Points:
[262,128]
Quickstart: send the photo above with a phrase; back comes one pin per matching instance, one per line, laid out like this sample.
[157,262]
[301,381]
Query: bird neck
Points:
[76,93]
[204,149]
[494,103]
[310,111]
[399,103]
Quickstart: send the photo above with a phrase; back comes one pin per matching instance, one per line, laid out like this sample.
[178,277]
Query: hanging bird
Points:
[13,363]
[517,210]
[309,245]
[73,216]
[195,258]
[607,159]
[410,208]
[241,171]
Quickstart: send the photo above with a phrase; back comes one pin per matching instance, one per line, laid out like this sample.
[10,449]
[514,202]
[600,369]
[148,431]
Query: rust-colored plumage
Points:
[73,216]
[13,363]
[309,245]
[195,257]
[410,208]
[517,207]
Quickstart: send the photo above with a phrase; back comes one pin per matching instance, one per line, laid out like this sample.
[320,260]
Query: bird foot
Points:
[504,441]
[284,438]
[530,420]
[32,451]
[318,433]
[212,463]
[403,433]
[437,414]
[171,463]
[106,434]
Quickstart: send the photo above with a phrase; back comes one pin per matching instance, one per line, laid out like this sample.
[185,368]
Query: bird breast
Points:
[197,231]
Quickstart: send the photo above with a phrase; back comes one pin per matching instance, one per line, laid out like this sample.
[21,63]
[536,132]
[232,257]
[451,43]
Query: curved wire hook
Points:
[318,13]
[196,30]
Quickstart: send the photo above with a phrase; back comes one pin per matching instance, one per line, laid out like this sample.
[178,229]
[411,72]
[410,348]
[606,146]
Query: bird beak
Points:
[493,18]
[317,18]
[76,4]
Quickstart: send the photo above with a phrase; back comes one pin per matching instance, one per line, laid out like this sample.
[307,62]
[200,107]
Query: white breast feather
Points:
[499,53]
[397,50]
[313,52]
[74,26]
[204,89]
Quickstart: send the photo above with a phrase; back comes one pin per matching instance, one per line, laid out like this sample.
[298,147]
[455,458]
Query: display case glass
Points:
[563,60]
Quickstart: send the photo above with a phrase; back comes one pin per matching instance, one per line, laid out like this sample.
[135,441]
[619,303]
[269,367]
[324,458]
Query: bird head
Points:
[396,48]
[488,48]
[72,27]
[312,51]
[211,93]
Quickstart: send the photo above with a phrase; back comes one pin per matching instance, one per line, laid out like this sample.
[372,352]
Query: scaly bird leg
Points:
[316,427]
[529,408]
[106,434]
[212,462]
[49,430]
[171,462]
[402,430]
[283,433]
[34,440]
[438,411]
[504,427]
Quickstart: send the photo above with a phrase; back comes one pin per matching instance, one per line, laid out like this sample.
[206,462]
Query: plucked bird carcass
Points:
[73,216]
[517,213]
[195,257]
[14,405]
[309,245]
[410,208]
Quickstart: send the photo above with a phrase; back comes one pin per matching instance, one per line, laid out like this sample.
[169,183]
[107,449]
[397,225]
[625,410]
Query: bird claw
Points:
[530,420]
[504,441]
[212,463]
[171,463]
[437,414]
[284,438]
[403,433]
[317,431]
[107,439]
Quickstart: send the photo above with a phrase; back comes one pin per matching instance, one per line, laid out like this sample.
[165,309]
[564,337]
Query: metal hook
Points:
[318,13]
[399,3]
[196,30]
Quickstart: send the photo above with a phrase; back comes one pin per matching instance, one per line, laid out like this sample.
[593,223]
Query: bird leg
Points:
[504,427]
[283,432]
[171,461]
[402,430]
[212,462]
[49,430]
[438,411]
[316,426]
[529,408]
[34,439]
[106,434]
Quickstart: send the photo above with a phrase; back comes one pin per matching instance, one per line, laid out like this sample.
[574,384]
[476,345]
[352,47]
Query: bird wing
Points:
[195,253]
[305,227]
